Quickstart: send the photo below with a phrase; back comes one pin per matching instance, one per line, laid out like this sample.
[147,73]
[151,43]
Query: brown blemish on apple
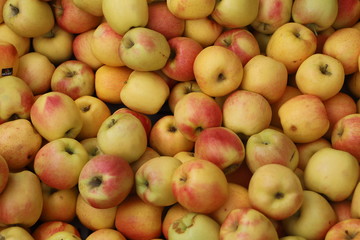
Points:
[293,128]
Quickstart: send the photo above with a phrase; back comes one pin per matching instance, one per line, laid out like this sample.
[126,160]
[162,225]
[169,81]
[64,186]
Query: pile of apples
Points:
[179,119]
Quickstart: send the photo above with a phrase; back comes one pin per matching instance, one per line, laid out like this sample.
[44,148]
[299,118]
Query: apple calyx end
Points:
[95,182]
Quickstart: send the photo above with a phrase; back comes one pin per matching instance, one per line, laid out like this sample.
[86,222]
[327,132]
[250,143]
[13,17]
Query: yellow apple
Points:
[191,9]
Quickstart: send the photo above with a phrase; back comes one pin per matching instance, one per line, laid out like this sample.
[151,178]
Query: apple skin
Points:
[345,229]
[63,235]
[354,205]
[189,9]
[174,212]
[99,181]
[46,229]
[348,13]
[22,44]
[200,186]
[9,61]
[106,233]
[221,146]
[4,173]
[16,232]
[343,209]
[91,146]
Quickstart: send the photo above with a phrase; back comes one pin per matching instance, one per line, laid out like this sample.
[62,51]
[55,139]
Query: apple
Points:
[292,238]
[179,90]
[105,45]
[56,45]
[240,41]
[144,49]
[94,7]
[73,78]
[56,115]
[22,17]
[185,156]
[246,112]
[19,143]
[2,2]
[348,13]
[91,146]
[314,218]
[345,134]
[179,66]
[354,204]
[23,211]
[30,64]
[16,232]
[322,36]
[271,15]
[346,229]
[235,14]
[191,9]
[100,178]
[241,176]
[136,219]
[295,38]
[304,118]
[4,173]
[153,180]
[195,112]
[313,14]
[105,233]
[16,99]
[63,235]
[218,71]
[306,150]
[94,218]
[337,46]
[203,30]
[200,186]
[221,146]
[194,226]
[166,139]
[46,229]
[266,76]
[174,212]
[149,153]
[247,222]
[73,19]
[139,91]
[342,209]
[58,205]
[21,43]
[271,146]
[124,15]
[9,59]
[353,84]
[68,157]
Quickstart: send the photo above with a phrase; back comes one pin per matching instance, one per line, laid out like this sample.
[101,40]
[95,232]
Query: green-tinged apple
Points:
[221,146]
[235,13]
[246,112]
[19,143]
[73,19]
[355,202]
[179,90]
[346,134]
[293,38]
[82,49]
[122,134]
[271,15]
[179,66]
[91,146]
[247,222]
[144,49]
[22,211]
[163,21]
[348,13]
[16,99]
[4,173]
[194,226]
[56,115]
[313,14]
[124,15]
[346,229]
[271,146]
[218,71]
[175,212]
[94,7]
[105,45]
[271,195]
[73,78]
[200,186]
[63,235]
[21,43]
[105,181]
[238,198]
[94,218]
[139,91]
[55,44]
[105,233]
[15,232]
[266,76]
[191,9]
[166,139]
[30,65]
[93,112]
[45,229]
[23,17]
[314,218]
[304,118]
[195,112]
[203,30]
[136,219]
[320,75]
[58,205]
[9,59]
[68,157]
[344,45]
[306,150]
[154,180]
[240,41]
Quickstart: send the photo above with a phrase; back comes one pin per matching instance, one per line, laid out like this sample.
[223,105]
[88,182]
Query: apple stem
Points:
[15,10]
[324,69]
[312,27]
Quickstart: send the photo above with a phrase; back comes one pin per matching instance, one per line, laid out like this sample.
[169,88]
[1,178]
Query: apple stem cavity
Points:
[279,195]
[313,28]
[68,132]
[221,77]
[86,108]
[95,182]
[128,43]
[69,150]
[350,236]
[172,129]
[71,74]
[112,123]
[324,69]
[14,10]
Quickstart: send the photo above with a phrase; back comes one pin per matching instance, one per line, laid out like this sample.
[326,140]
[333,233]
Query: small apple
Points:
[16,232]
[348,13]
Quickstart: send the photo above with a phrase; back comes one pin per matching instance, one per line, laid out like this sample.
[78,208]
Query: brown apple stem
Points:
[312,27]
[14,10]
[324,69]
